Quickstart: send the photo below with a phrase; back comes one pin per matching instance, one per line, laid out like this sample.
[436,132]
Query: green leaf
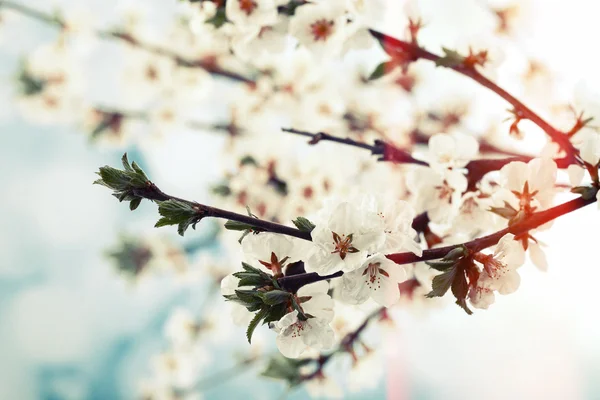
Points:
[587,192]
[30,85]
[286,369]
[237,226]
[276,312]
[304,224]
[135,203]
[222,190]
[441,283]
[248,160]
[275,297]
[254,323]
[460,289]
[249,296]
[382,69]
[441,265]
[455,253]
[296,306]
[126,183]
[450,59]
[504,212]
[177,212]
[219,19]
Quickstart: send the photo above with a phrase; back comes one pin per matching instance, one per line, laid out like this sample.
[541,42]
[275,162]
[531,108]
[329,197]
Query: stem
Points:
[476,169]
[417,53]
[534,221]
[155,194]
[207,64]
[294,282]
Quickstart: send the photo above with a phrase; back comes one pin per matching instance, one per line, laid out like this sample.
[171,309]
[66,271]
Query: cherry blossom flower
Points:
[344,239]
[500,269]
[377,278]
[255,13]
[437,192]
[296,336]
[590,148]
[530,186]
[452,150]
[480,295]
[397,216]
[320,27]
[273,251]
[315,301]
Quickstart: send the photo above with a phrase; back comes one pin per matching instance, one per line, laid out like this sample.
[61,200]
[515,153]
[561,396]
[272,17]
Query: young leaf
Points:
[275,297]
[450,59]
[460,288]
[254,323]
[304,224]
[441,283]
[237,226]
[441,265]
[176,212]
[382,69]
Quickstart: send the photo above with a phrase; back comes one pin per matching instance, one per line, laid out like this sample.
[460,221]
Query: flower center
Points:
[275,265]
[525,198]
[247,6]
[445,192]
[373,274]
[343,245]
[321,29]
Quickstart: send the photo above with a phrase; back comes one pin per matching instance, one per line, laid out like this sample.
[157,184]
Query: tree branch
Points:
[415,53]
[294,282]
[152,192]
[476,169]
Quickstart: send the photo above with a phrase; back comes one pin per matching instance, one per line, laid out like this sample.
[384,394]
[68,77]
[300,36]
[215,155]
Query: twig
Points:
[415,53]
[476,169]
[152,192]
[294,282]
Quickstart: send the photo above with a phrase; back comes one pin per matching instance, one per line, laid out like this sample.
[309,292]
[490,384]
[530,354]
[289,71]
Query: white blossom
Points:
[255,13]
[452,150]
[397,216]
[589,149]
[345,239]
[296,336]
[437,192]
[377,278]
[528,186]
[273,251]
[320,27]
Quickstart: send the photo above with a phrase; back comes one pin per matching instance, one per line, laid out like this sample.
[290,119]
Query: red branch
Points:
[393,45]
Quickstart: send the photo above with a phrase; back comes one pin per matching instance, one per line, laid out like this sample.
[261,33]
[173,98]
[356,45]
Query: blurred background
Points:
[80,320]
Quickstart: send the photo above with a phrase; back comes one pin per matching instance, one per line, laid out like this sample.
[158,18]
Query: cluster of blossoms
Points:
[350,237]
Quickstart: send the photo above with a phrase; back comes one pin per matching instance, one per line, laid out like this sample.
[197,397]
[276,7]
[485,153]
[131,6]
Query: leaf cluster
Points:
[180,213]
[261,294]
[125,182]
[456,267]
